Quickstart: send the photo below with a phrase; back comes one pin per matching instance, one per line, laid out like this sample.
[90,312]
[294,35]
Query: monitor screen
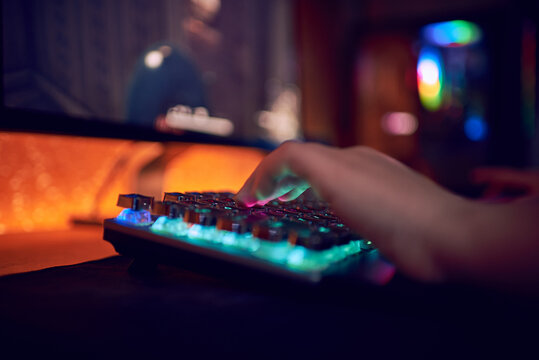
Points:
[222,68]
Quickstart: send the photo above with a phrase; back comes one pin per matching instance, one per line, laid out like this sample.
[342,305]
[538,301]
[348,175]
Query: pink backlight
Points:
[399,123]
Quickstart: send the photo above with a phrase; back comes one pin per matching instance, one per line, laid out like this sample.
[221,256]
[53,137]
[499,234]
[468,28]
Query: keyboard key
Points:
[137,209]
[236,224]
[170,209]
[302,234]
[135,201]
[200,216]
[273,231]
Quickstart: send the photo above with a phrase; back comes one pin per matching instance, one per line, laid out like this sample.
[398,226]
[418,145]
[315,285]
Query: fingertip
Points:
[245,199]
[246,202]
[294,193]
[287,197]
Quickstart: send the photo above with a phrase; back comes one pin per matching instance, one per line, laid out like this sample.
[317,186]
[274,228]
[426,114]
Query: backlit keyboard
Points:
[302,238]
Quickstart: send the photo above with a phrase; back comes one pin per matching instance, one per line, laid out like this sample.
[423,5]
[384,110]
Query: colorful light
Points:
[399,123]
[452,33]
[430,78]
[281,253]
[475,128]
[153,59]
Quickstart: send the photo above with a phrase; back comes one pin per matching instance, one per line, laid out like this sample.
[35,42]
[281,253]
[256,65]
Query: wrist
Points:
[443,239]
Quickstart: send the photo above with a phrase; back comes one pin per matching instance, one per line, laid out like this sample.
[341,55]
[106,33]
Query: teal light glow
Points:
[352,248]
[273,251]
[452,33]
[241,241]
[282,253]
[208,233]
[165,225]
[301,258]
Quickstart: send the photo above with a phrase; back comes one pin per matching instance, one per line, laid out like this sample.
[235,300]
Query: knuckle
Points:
[288,145]
[363,149]
[365,152]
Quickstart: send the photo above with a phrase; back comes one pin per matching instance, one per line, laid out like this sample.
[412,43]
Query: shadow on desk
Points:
[98,309]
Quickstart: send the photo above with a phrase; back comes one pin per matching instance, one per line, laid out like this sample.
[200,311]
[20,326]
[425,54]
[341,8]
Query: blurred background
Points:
[444,87]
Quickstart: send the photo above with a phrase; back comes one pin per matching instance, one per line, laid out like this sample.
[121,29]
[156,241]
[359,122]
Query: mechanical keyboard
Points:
[301,239]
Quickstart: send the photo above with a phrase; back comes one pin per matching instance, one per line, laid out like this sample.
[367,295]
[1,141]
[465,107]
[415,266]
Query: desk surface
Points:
[35,251]
[98,307]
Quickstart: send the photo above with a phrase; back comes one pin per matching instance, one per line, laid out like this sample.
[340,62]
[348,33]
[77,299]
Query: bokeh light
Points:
[154,59]
[47,180]
[399,123]
[475,128]
[430,78]
[452,33]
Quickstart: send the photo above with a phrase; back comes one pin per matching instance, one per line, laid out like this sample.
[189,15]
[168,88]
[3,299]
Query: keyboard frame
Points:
[148,247]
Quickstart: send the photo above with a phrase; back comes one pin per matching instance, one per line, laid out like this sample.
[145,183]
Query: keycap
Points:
[168,208]
[367,245]
[136,209]
[200,216]
[276,226]
[236,224]
[135,201]
[195,195]
[313,239]
[273,231]
[177,196]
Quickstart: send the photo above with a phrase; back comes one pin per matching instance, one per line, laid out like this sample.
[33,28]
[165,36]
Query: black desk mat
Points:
[99,309]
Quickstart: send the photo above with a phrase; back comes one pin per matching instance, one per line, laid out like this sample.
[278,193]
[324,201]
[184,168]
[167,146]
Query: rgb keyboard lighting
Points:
[299,235]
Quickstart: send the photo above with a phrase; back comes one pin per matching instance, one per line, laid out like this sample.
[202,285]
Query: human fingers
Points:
[373,194]
[285,189]
[294,193]
[286,172]
[271,177]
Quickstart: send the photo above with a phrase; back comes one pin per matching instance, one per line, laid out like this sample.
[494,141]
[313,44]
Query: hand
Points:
[375,195]
[428,233]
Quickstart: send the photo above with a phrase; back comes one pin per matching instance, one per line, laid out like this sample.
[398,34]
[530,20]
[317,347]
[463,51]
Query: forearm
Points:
[429,233]
[497,244]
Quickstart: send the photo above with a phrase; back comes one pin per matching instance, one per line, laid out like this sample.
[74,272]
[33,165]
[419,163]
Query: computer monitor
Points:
[230,72]
[191,70]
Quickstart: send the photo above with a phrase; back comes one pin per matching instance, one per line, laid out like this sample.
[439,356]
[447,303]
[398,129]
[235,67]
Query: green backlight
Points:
[280,253]
[452,33]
